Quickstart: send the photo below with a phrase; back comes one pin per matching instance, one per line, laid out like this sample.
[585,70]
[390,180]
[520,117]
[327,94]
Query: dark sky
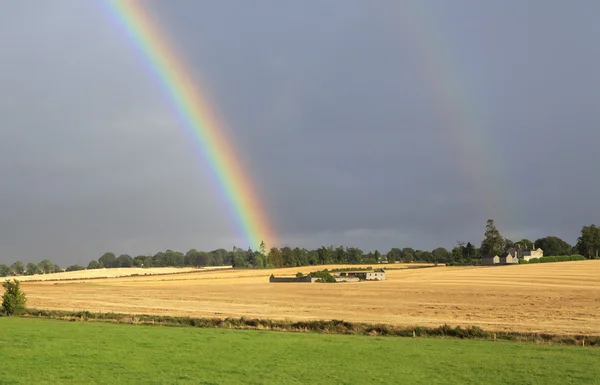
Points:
[374,124]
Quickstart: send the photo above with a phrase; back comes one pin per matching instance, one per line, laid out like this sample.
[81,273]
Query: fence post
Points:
[494,336]
[414,334]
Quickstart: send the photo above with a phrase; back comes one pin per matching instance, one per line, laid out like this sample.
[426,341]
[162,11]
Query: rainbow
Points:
[468,138]
[200,119]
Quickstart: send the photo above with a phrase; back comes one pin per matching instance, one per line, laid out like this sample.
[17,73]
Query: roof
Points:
[507,254]
[521,249]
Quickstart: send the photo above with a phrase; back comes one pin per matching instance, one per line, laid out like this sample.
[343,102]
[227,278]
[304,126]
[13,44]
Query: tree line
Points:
[588,245]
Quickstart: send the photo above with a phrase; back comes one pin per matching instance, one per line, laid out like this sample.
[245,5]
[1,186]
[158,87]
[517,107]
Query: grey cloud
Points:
[334,111]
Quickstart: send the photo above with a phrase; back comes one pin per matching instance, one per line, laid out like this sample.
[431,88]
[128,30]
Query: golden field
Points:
[112,273]
[559,297]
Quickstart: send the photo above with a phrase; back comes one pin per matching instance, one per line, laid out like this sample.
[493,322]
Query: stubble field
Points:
[554,297]
[112,273]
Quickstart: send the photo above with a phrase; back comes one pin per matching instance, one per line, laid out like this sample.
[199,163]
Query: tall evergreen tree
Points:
[493,242]
[263,248]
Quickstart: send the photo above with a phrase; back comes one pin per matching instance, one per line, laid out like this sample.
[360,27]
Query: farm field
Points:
[113,273]
[557,298]
[85,352]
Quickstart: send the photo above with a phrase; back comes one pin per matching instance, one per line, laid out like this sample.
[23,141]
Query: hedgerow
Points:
[561,258]
[317,326]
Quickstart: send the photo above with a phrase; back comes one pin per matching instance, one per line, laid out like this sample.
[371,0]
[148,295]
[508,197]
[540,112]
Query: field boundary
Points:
[319,326]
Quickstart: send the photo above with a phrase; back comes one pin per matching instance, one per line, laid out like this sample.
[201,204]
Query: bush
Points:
[561,258]
[75,268]
[323,276]
[13,300]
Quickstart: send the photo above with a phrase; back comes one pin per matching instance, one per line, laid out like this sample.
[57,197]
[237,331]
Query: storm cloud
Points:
[343,111]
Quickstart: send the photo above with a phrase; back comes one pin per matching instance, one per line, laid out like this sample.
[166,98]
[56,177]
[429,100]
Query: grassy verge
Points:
[39,351]
[320,326]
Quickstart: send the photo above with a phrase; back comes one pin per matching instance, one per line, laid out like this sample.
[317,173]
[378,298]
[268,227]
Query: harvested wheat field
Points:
[112,273]
[553,297]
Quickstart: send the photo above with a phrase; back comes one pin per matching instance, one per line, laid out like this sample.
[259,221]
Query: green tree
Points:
[340,255]
[240,258]
[148,260]
[508,244]
[5,270]
[440,254]
[18,268]
[289,259]
[260,260]
[191,257]
[493,242]
[108,260]
[588,244]
[124,260]
[275,257]
[325,255]
[377,256]
[456,254]
[424,256]
[251,257]
[408,255]
[312,257]
[32,268]
[219,257]
[263,248]
[139,261]
[174,258]
[46,267]
[353,255]
[301,256]
[553,246]
[159,259]
[13,300]
[94,265]
[395,254]
[469,252]
[463,252]
[527,245]
[203,259]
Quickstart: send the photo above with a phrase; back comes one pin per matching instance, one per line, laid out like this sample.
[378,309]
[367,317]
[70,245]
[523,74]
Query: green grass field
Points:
[48,351]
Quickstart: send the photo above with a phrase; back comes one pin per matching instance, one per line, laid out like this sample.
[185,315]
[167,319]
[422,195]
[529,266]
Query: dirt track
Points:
[554,297]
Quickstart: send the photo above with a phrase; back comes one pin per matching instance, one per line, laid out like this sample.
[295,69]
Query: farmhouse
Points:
[344,276]
[353,276]
[527,254]
[512,256]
